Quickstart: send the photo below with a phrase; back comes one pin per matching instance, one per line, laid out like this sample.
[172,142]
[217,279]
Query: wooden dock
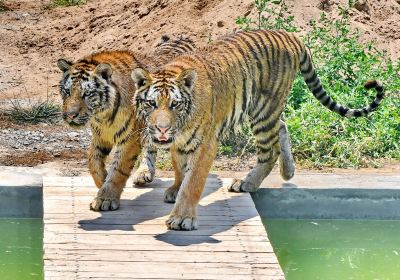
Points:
[134,243]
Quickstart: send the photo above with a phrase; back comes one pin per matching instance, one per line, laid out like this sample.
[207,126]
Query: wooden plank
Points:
[56,275]
[159,230]
[158,249]
[133,242]
[89,215]
[140,243]
[149,256]
[243,213]
[244,269]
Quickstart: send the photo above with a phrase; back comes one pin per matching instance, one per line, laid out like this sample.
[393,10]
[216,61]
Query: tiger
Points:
[98,89]
[189,104]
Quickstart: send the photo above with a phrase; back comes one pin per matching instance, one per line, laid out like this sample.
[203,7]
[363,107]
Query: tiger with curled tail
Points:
[98,89]
[193,101]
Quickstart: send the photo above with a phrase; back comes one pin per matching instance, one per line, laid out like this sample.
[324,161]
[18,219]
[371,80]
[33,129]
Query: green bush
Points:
[67,3]
[35,112]
[3,7]
[319,136]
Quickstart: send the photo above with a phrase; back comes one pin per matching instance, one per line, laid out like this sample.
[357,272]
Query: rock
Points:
[362,6]
[57,154]
[325,5]
[73,135]
[220,23]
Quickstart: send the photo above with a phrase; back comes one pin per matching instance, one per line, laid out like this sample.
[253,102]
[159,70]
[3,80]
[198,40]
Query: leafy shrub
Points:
[3,7]
[34,112]
[323,138]
[271,14]
[68,3]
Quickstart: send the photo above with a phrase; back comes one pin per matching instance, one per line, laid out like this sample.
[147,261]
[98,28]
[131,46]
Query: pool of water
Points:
[336,249]
[21,250]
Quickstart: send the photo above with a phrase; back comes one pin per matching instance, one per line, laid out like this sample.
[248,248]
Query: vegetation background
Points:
[344,64]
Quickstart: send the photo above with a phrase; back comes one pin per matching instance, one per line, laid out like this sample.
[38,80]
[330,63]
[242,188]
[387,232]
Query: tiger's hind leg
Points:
[267,142]
[286,161]
[146,171]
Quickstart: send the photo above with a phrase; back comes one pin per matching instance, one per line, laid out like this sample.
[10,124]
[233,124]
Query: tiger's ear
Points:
[188,77]
[64,64]
[104,70]
[140,77]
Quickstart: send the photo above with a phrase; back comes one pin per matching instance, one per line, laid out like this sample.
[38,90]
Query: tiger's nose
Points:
[72,115]
[163,128]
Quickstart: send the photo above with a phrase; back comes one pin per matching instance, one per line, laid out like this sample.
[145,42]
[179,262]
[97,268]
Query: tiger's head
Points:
[164,102]
[86,89]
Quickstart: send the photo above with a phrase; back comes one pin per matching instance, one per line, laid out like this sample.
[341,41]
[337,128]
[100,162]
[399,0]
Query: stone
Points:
[362,5]
[325,5]
[73,134]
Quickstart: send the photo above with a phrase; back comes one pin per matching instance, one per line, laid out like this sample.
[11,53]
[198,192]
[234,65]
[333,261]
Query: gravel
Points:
[53,140]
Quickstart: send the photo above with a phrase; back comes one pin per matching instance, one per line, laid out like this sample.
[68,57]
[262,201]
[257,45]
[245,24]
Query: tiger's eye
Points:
[141,83]
[174,103]
[151,103]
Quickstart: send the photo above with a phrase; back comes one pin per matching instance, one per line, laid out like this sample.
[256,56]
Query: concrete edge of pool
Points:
[21,195]
[352,204]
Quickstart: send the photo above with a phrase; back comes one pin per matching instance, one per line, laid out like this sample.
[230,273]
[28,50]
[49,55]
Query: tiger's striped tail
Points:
[314,84]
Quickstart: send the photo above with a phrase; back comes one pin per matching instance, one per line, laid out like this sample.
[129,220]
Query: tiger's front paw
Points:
[143,176]
[176,222]
[106,200]
[241,186]
[170,194]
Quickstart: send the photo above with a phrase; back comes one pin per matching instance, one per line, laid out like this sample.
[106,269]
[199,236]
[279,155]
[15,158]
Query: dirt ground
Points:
[33,35]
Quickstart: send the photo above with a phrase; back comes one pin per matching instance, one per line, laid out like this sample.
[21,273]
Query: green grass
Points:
[3,7]
[67,3]
[319,136]
[33,113]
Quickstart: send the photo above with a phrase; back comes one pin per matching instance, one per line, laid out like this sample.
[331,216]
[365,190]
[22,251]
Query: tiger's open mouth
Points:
[163,140]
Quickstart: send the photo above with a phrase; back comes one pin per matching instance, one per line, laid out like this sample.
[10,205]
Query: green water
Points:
[21,250]
[336,249]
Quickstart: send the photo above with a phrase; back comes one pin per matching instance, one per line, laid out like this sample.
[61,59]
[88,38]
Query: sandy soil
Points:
[33,36]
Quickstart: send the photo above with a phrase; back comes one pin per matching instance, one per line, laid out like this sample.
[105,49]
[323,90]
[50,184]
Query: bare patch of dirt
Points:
[40,157]
[26,159]
[33,36]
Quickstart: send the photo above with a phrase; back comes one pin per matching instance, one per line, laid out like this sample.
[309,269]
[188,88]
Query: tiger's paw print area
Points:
[170,194]
[143,176]
[239,186]
[182,223]
[106,200]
